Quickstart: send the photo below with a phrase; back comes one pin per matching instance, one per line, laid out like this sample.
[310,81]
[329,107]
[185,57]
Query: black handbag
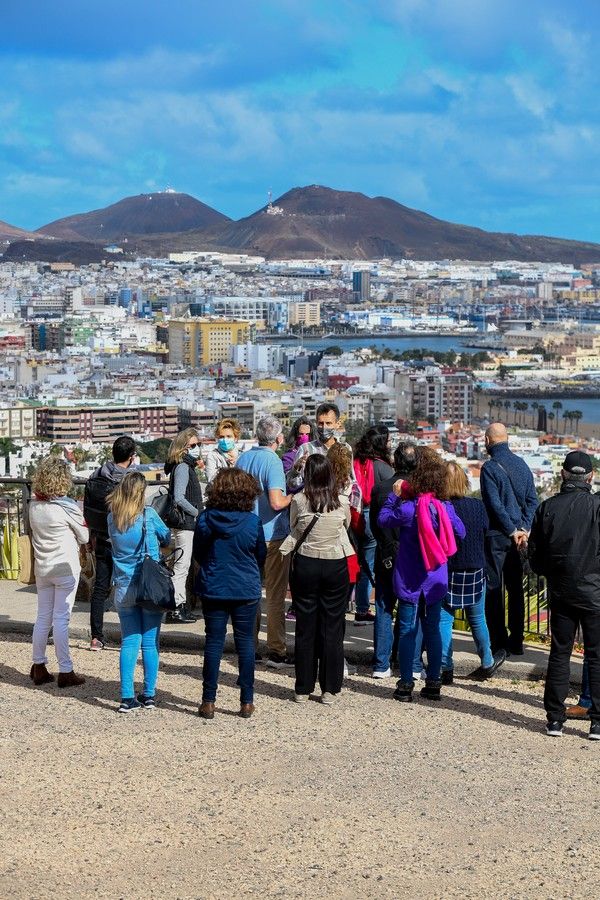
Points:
[164,504]
[154,588]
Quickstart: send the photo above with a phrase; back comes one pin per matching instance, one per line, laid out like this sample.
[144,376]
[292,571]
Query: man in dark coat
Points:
[510,500]
[564,546]
[385,554]
[99,485]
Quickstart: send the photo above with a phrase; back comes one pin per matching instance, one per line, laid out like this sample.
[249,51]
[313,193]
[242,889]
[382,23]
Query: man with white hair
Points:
[564,546]
[263,463]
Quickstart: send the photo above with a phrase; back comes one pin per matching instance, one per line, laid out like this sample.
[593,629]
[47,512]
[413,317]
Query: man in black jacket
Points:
[100,484]
[385,554]
[564,546]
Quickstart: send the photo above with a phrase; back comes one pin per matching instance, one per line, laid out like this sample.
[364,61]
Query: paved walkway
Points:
[18,607]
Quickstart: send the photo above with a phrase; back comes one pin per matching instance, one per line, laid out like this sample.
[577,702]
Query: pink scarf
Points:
[434,550]
[365,477]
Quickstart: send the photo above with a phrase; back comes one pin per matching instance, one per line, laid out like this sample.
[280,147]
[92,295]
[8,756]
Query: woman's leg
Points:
[368,545]
[408,615]
[151,623]
[305,591]
[43,622]
[332,622]
[446,623]
[479,630]
[383,628]
[243,616]
[130,618]
[216,616]
[182,540]
[64,598]
[430,617]
[418,665]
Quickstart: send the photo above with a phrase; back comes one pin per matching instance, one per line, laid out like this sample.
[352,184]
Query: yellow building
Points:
[199,342]
[271,384]
[305,313]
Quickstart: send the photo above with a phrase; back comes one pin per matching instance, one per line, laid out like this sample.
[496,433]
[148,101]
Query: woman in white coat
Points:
[57,531]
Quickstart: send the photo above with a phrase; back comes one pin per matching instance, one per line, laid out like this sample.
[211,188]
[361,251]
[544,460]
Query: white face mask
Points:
[194,452]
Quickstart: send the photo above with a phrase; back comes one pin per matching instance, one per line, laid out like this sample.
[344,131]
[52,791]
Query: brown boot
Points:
[246,710]
[39,674]
[70,679]
[206,710]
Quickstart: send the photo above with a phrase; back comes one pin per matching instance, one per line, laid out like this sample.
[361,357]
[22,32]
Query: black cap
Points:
[578,463]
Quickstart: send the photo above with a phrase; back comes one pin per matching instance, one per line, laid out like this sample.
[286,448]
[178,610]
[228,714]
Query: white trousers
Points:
[182,540]
[56,596]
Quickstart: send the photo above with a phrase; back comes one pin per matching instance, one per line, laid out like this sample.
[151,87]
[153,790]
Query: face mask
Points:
[194,452]
[325,434]
[226,444]
[302,439]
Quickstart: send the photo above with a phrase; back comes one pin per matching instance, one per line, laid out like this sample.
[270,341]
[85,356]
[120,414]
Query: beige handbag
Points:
[26,560]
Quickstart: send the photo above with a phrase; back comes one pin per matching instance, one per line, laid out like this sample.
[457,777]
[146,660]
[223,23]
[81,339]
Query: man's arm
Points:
[531,503]
[278,500]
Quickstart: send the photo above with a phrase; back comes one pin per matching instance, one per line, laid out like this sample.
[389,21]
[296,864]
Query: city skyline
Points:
[482,112]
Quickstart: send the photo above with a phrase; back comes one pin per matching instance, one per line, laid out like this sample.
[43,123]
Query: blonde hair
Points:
[457,482]
[52,478]
[179,445]
[126,502]
[340,457]
[228,423]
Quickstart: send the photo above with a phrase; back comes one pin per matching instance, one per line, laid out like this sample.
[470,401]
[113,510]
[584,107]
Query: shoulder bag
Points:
[164,504]
[154,590]
[301,540]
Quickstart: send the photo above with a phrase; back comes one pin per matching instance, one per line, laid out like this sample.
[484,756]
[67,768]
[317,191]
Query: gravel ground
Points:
[368,798]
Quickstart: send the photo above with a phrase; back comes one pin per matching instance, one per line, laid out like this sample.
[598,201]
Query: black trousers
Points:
[564,621]
[320,593]
[104,570]
[502,560]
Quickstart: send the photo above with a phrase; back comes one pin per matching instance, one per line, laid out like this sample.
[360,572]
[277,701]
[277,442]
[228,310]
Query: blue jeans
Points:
[409,616]
[476,618]
[139,628]
[586,694]
[383,628]
[368,545]
[243,618]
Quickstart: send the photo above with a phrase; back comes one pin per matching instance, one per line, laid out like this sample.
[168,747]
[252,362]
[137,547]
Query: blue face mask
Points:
[226,444]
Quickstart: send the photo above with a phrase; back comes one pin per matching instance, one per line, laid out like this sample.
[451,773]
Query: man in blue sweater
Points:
[508,492]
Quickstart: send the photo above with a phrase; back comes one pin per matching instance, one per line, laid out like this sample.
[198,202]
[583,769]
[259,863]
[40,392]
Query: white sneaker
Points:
[300,698]
[379,674]
[417,676]
[348,669]
[327,699]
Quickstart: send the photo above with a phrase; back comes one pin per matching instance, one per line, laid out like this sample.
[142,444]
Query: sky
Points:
[484,112]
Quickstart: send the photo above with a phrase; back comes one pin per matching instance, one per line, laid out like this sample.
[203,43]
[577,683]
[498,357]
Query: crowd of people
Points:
[333,525]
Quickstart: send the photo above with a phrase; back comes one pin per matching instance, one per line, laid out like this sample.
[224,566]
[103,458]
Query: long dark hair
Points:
[320,488]
[290,441]
[374,445]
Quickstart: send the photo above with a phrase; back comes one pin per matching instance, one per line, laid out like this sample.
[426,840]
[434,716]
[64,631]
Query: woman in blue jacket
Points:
[126,522]
[230,549]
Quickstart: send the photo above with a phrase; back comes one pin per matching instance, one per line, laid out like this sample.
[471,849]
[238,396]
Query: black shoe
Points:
[431,691]
[179,616]
[515,648]
[499,660]
[594,734]
[448,676]
[404,691]
[258,657]
[147,702]
[275,661]
[555,729]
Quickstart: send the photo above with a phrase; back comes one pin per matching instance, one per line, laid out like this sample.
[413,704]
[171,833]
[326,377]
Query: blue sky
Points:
[484,112]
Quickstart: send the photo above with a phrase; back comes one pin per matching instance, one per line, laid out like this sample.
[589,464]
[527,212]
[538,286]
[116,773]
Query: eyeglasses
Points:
[192,445]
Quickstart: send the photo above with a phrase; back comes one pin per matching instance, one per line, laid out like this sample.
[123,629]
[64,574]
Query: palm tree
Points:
[566,417]
[534,408]
[516,406]
[524,408]
[551,418]
[507,405]
[577,415]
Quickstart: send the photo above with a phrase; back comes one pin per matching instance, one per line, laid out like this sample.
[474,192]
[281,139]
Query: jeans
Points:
[56,596]
[383,629]
[183,540]
[320,592]
[586,695]
[502,560]
[367,546]
[409,616]
[243,619]
[139,628]
[476,618]
[564,621]
[104,570]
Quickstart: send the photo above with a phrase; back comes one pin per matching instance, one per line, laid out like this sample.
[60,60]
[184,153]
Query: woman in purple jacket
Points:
[303,431]
[428,530]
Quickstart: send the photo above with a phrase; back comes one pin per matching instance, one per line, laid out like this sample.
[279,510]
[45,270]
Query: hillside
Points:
[146,214]
[81,253]
[12,233]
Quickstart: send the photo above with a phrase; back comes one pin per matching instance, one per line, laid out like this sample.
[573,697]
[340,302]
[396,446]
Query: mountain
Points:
[81,253]
[163,212]
[317,221]
[12,233]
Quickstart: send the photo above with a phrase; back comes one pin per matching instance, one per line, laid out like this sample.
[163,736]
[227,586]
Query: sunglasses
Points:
[192,445]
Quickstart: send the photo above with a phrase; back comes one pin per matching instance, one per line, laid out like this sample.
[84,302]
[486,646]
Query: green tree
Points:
[354,429]
[7,446]
[154,451]
[333,351]
[577,416]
